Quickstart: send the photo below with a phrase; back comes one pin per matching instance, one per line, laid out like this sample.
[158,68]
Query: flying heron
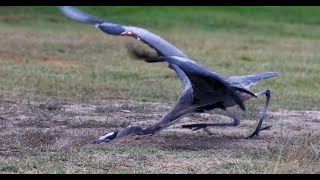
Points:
[204,90]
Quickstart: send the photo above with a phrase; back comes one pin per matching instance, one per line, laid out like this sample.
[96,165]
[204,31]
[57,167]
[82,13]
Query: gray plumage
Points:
[247,81]
[203,89]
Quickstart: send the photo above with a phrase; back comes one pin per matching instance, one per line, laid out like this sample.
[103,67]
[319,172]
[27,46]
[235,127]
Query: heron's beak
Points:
[105,138]
[97,141]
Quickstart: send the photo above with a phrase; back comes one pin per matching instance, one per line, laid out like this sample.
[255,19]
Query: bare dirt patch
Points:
[37,129]
[66,125]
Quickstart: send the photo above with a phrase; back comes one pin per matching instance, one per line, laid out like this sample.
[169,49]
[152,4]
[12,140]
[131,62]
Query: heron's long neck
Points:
[172,116]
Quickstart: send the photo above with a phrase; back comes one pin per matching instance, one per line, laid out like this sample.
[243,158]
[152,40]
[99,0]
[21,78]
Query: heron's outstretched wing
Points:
[202,80]
[77,15]
[182,76]
[192,74]
[247,81]
[154,41]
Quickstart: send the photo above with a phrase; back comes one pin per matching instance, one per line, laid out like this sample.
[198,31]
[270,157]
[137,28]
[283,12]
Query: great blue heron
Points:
[204,90]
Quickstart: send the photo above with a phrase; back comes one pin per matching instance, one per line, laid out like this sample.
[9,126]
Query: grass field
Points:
[63,83]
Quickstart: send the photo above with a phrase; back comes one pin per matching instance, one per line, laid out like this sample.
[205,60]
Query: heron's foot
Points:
[194,127]
[105,138]
[255,134]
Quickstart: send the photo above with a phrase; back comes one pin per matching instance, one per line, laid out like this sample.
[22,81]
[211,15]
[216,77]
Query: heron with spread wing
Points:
[204,90]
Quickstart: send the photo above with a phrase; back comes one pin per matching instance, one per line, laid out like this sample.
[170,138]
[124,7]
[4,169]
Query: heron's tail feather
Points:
[252,79]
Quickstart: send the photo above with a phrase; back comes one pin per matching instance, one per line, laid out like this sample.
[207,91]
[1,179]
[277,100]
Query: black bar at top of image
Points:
[156,2]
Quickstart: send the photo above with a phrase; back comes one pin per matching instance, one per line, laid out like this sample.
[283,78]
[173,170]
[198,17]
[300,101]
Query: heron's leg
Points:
[263,113]
[197,126]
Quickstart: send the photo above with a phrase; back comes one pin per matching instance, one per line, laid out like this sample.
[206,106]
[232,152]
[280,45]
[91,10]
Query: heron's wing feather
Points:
[151,39]
[247,81]
[204,81]
[182,76]
[200,83]
[204,84]
[77,15]
[201,78]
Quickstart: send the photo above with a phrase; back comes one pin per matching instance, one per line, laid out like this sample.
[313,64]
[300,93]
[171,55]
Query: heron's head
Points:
[105,138]
[130,130]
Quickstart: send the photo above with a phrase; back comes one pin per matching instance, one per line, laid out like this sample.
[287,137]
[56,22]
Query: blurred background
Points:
[44,54]
[65,83]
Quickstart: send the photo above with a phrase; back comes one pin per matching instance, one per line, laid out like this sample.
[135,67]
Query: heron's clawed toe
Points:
[266,128]
[199,127]
[105,138]
[256,132]
[194,127]
[186,126]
